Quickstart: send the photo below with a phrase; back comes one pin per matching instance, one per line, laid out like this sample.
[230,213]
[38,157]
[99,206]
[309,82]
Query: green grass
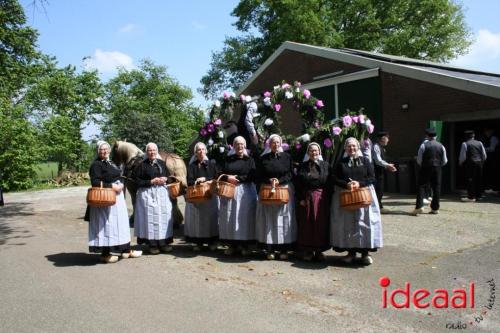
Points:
[46,171]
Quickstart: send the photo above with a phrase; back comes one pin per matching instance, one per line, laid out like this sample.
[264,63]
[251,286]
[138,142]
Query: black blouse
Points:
[148,170]
[311,176]
[105,171]
[197,169]
[273,165]
[361,170]
[242,167]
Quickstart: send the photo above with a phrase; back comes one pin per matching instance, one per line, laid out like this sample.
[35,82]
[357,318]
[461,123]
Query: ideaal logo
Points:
[421,298]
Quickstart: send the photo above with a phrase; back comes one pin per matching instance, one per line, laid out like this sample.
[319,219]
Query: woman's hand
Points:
[158,181]
[200,180]
[117,187]
[353,185]
[275,181]
[233,180]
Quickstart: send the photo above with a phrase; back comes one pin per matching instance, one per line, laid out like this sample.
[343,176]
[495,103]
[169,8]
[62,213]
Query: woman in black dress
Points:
[313,196]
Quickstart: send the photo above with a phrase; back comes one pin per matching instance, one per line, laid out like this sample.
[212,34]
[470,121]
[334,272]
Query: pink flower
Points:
[361,118]
[297,84]
[210,128]
[355,119]
[317,125]
[336,130]
[298,146]
[277,107]
[285,146]
[267,94]
[319,103]
[203,132]
[285,86]
[226,95]
[218,122]
[371,128]
[307,94]
[347,120]
[328,143]
[242,97]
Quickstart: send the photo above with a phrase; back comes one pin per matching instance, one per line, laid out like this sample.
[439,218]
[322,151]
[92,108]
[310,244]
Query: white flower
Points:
[277,87]
[221,149]
[210,142]
[217,103]
[297,89]
[305,138]
[233,94]
[220,134]
[368,122]
[289,95]
[268,122]
[267,101]
[248,99]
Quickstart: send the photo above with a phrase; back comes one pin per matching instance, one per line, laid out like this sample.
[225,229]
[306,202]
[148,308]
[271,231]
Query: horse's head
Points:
[115,154]
[123,152]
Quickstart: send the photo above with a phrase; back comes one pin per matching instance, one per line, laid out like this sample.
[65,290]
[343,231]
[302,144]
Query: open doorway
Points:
[478,126]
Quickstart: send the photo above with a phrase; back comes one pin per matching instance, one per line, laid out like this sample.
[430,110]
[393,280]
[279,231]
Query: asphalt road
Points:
[49,282]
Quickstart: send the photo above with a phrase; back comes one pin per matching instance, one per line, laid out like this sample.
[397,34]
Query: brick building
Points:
[401,95]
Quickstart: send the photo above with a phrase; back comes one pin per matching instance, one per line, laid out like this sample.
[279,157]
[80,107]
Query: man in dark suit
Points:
[431,158]
[472,157]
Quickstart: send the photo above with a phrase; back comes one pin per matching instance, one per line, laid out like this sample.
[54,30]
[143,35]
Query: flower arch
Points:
[330,134]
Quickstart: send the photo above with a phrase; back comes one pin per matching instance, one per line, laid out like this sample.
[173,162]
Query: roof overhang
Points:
[421,74]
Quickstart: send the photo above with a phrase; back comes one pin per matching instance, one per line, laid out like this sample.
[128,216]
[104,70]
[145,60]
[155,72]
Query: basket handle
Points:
[174,177]
[222,175]
[102,185]
[273,184]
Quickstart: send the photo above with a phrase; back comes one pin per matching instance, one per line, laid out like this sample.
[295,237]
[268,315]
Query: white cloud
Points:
[128,28]
[199,26]
[109,61]
[483,54]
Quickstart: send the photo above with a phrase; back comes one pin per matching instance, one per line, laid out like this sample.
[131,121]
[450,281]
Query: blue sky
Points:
[182,34]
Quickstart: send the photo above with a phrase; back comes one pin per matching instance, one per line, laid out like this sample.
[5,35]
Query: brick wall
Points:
[426,102]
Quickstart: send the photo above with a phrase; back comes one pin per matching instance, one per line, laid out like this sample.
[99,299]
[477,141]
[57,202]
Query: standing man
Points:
[490,143]
[379,156]
[472,157]
[431,158]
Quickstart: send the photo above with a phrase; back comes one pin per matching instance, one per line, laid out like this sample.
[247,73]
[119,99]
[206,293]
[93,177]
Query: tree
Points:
[60,103]
[425,29]
[147,105]
[18,53]
[19,151]
[19,60]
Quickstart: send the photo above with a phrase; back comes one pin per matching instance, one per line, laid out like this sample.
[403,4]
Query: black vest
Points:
[474,151]
[433,154]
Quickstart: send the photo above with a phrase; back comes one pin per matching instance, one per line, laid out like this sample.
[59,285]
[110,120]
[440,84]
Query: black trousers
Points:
[429,177]
[379,185]
[474,179]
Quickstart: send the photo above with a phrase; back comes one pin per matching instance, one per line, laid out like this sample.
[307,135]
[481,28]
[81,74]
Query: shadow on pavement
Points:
[73,259]
[6,230]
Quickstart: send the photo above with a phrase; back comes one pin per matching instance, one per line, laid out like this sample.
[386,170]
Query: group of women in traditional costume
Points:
[311,222]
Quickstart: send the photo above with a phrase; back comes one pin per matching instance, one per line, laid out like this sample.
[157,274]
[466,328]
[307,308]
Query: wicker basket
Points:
[199,192]
[223,189]
[101,197]
[273,194]
[355,199]
[174,189]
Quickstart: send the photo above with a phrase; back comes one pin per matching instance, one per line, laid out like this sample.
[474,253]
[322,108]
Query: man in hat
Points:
[472,157]
[431,158]
[380,164]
